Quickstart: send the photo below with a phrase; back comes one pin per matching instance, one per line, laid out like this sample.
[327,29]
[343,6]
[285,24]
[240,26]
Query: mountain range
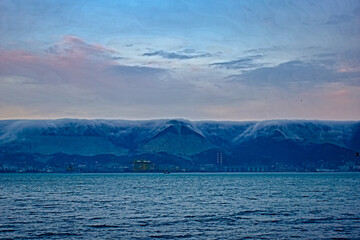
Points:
[178,145]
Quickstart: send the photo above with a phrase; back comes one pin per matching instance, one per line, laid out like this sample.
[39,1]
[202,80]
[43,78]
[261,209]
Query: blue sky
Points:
[218,60]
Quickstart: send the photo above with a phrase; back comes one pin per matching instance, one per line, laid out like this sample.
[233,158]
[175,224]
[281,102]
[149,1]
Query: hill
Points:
[178,145]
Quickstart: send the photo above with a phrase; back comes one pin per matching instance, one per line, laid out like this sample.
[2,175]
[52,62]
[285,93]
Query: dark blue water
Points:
[191,206]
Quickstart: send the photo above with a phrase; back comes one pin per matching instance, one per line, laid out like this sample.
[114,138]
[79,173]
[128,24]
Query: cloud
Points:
[262,50]
[135,71]
[70,61]
[356,11]
[78,65]
[173,55]
[345,65]
[242,63]
[295,73]
[72,46]
[80,79]
[65,84]
[337,19]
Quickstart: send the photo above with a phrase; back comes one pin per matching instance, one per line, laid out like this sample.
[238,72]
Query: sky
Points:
[196,59]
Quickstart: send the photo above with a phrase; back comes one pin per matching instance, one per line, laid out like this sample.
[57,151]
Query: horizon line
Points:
[180,119]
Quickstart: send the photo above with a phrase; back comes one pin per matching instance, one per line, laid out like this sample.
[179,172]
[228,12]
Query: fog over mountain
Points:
[178,145]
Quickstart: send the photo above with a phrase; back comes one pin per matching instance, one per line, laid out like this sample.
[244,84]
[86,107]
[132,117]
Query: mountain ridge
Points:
[265,144]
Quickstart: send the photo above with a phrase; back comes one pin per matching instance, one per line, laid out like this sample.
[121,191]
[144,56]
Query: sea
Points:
[180,206]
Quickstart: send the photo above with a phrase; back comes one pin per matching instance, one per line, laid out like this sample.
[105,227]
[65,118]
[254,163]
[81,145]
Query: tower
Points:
[219,160]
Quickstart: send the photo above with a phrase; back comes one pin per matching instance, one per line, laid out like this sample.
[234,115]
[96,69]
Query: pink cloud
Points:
[70,60]
[82,65]
[73,50]
[74,46]
[348,67]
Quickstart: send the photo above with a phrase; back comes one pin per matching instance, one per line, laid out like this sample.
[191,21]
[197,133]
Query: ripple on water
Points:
[189,206]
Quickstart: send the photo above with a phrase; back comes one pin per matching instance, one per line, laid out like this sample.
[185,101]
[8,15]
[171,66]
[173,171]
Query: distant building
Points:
[143,166]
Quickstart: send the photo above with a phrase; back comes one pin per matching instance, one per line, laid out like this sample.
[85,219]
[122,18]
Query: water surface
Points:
[190,206]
